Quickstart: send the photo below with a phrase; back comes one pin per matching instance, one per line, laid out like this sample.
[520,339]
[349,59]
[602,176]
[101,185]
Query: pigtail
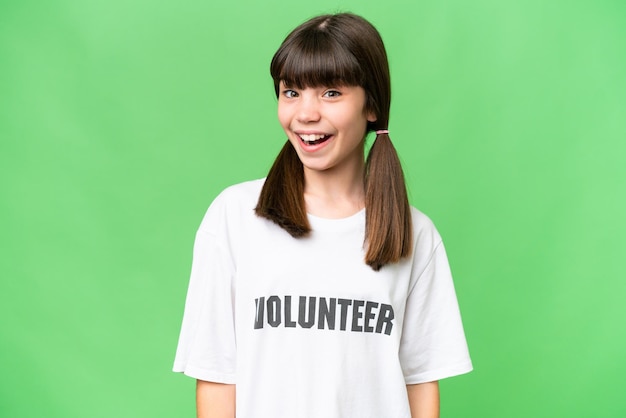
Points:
[388,230]
[282,197]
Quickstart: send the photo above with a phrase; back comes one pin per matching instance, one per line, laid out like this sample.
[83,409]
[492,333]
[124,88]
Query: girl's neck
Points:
[334,194]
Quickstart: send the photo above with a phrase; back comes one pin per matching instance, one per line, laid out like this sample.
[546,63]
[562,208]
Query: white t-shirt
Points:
[304,327]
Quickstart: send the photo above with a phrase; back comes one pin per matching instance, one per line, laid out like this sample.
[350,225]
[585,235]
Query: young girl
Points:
[319,292]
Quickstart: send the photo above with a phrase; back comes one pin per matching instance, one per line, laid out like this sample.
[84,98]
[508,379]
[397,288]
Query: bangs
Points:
[315,59]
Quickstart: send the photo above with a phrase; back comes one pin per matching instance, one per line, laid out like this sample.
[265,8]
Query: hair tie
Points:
[382,131]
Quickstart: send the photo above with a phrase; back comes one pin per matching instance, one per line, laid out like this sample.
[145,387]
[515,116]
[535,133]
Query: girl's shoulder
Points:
[426,237]
[232,203]
[421,221]
[241,192]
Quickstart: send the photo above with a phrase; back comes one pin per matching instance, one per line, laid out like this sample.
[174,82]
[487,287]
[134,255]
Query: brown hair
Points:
[332,50]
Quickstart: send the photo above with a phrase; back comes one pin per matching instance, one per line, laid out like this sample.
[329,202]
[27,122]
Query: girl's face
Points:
[326,126]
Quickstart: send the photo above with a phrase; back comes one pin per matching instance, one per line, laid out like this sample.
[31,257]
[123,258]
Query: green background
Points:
[121,120]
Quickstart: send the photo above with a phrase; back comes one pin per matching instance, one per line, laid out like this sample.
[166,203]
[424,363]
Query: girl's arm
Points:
[424,400]
[215,400]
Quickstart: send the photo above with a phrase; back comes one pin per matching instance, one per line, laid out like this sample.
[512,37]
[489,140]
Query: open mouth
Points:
[313,139]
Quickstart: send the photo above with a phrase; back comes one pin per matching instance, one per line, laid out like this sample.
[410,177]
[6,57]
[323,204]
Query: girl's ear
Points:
[371,117]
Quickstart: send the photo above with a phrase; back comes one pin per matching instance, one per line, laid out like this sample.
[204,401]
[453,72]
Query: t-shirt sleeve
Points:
[206,347]
[433,344]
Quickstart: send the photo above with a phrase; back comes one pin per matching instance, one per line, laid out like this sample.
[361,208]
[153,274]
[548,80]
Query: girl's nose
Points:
[308,110]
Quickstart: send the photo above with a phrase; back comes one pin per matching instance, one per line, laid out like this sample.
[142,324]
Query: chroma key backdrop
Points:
[121,120]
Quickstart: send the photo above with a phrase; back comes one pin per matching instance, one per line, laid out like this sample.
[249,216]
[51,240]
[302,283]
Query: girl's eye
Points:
[332,93]
[290,94]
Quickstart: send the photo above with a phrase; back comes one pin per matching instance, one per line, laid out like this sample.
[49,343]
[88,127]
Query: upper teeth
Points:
[312,137]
